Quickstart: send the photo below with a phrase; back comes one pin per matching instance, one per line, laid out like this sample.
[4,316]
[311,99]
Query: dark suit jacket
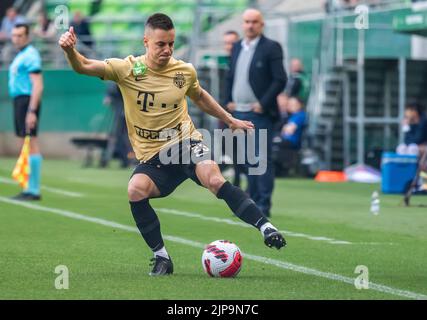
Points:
[267,77]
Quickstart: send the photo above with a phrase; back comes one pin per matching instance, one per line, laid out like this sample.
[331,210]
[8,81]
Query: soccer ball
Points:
[222,258]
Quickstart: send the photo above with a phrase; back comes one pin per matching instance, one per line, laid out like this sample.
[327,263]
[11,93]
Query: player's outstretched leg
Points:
[246,209]
[140,189]
[239,202]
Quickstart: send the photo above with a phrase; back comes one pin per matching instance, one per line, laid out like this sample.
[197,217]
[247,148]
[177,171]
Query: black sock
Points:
[241,205]
[148,223]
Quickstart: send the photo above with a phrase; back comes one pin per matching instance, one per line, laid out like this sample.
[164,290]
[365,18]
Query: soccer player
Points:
[26,88]
[154,88]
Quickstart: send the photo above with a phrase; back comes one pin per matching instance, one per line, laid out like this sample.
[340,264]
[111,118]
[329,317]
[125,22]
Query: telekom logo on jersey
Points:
[244,143]
[146,99]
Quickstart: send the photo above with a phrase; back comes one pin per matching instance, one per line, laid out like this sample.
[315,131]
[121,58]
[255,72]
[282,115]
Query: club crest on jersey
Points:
[139,69]
[179,80]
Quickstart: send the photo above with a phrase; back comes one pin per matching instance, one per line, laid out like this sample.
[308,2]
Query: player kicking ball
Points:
[154,88]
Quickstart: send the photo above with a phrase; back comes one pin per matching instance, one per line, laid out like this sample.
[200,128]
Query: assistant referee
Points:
[26,88]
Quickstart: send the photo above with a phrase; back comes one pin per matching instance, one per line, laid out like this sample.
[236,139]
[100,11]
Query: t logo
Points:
[145,101]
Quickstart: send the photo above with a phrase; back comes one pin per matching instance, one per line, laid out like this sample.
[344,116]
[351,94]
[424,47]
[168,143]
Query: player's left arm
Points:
[36,94]
[208,104]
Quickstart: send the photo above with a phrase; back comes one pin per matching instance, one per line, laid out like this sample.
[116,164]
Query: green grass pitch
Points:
[330,231]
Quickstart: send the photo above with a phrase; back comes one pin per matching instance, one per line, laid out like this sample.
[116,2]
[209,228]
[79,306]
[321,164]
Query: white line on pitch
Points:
[207,218]
[273,262]
[210,218]
[49,189]
[286,232]
[241,224]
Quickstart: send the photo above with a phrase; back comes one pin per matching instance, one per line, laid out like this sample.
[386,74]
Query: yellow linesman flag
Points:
[21,173]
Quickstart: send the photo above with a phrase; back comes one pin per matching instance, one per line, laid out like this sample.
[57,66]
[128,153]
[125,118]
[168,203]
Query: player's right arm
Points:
[77,61]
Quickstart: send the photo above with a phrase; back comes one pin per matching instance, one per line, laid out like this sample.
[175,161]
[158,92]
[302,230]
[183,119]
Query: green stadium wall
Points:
[71,107]
[71,102]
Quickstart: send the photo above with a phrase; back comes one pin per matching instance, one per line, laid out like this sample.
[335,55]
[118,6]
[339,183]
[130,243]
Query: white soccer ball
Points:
[222,258]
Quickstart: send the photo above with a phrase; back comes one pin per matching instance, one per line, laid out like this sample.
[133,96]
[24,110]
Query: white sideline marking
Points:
[210,218]
[63,192]
[286,232]
[49,189]
[273,262]
[229,221]
[245,225]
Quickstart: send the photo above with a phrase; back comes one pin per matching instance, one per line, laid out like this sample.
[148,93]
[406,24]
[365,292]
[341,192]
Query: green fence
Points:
[71,103]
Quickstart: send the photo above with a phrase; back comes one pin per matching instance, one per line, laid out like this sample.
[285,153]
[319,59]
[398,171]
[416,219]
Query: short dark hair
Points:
[232,32]
[23,25]
[415,106]
[159,21]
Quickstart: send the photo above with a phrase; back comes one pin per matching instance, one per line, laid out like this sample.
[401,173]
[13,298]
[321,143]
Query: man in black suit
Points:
[255,79]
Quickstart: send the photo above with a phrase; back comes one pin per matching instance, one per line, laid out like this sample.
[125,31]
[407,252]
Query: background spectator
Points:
[289,137]
[44,28]
[292,130]
[119,145]
[298,86]
[82,29]
[415,129]
[256,77]
[229,39]
[9,21]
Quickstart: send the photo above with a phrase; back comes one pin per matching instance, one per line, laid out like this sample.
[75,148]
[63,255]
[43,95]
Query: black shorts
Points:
[20,104]
[167,177]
